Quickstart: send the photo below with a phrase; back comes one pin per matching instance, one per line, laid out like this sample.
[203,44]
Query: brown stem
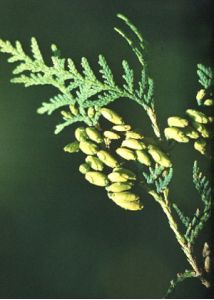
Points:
[186,247]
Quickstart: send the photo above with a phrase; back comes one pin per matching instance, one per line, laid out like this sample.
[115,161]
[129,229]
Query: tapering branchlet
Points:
[159,156]
[72,147]
[111,116]
[94,162]
[197,116]
[176,134]
[88,147]
[97,178]
[125,153]
[107,159]
[177,122]
[143,157]
[133,144]
[94,135]
[84,168]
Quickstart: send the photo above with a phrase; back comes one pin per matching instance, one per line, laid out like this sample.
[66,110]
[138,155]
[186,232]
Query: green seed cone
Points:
[66,115]
[95,163]
[197,116]
[88,148]
[116,177]
[107,159]
[126,153]
[200,95]
[80,134]
[111,135]
[111,116]
[191,133]
[119,187]
[121,128]
[126,173]
[84,168]
[121,199]
[73,109]
[159,157]
[177,122]
[94,135]
[209,102]
[176,134]
[143,157]
[200,145]
[134,135]
[91,112]
[202,129]
[133,144]
[72,147]
[97,178]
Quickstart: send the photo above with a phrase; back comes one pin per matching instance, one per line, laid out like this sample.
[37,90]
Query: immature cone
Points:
[143,157]
[191,133]
[133,144]
[117,187]
[111,135]
[200,95]
[72,147]
[126,173]
[94,135]
[73,109]
[80,134]
[94,162]
[176,134]
[91,112]
[97,178]
[159,157]
[111,116]
[200,145]
[197,116]
[107,159]
[84,168]
[126,200]
[134,135]
[177,122]
[126,153]
[88,148]
[209,102]
[121,128]
[201,128]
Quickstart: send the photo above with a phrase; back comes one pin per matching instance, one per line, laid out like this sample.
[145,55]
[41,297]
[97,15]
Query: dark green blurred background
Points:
[59,236]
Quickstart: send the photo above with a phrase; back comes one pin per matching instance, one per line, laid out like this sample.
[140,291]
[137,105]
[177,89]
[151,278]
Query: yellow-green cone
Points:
[126,173]
[116,177]
[197,116]
[94,135]
[72,147]
[133,144]
[191,133]
[200,145]
[84,168]
[126,200]
[209,102]
[200,95]
[211,119]
[88,148]
[176,134]
[95,163]
[126,153]
[97,178]
[66,115]
[111,116]
[159,157]
[134,135]
[119,187]
[80,134]
[121,128]
[111,135]
[143,157]
[107,159]
[177,122]
[73,109]
[91,112]
[202,129]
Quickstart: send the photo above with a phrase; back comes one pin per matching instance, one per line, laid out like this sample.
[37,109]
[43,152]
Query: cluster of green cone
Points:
[196,126]
[106,164]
